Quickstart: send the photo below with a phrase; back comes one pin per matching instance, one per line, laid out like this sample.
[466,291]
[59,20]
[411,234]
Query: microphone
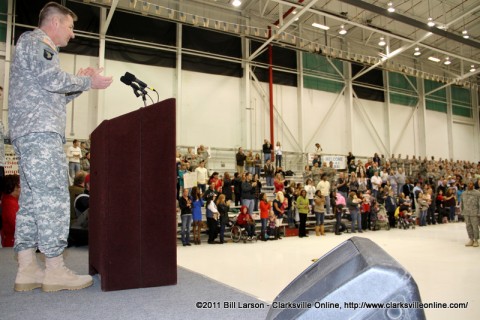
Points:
[130,77]
[128,81]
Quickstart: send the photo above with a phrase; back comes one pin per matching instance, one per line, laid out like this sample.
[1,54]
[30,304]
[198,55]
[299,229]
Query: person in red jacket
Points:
[11,192]
[265,208]
[245,220]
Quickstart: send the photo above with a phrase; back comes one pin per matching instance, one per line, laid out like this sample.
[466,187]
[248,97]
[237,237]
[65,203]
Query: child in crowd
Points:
[272,227]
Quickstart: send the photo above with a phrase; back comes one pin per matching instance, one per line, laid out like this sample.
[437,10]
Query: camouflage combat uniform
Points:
[38,94]
[470,210]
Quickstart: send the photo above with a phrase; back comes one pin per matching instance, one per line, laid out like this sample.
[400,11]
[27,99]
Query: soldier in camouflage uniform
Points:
[470,210]
[39,92]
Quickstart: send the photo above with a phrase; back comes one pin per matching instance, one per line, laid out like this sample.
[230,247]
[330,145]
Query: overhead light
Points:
[320,26]
[447,61]
[132,4]
[294,12]
[158,9]
[430,22]
[465,34]
[434,59]
[236,3]
[390,7]
[145,6]
[472,68]
[417,51]
[382,42]
[342,30]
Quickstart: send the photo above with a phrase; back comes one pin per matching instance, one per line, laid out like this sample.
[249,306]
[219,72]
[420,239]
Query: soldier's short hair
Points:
[52,8]
[79,178]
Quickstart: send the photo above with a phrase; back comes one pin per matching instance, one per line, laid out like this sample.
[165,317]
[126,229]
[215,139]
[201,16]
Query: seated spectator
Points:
[11,192]
[245,220]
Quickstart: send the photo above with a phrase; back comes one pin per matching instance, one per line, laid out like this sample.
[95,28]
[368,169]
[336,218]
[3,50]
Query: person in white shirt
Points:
[310,188]
[202,176]
[278,154]
[376,183]
[324,187]
[74,154]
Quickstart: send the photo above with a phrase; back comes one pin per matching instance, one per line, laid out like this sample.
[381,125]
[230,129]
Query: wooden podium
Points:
[132,222]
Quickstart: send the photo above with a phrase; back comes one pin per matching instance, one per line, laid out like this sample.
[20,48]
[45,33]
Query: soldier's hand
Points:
[99,81]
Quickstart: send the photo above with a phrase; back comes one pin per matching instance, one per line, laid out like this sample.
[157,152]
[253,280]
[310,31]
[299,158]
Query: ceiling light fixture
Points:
[342,30]
[434,59]
[430,22]
[320,26]
[382,42]
[472,68]
[236,3]
[447,61]
[465,34]
[417,51]
[132,4]
[390,7]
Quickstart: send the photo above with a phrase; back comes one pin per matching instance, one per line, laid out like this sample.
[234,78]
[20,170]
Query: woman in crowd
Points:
[449,203]
[238,178]
[362,183]
[11,192]
[214,178]
[185,204]
[212,219]
[278,207]
[302,205]
[223,208]
[390,206]
[319,210]
[245,220]
[353,204]
[265,208]
[279,183]
[258,190]
[197,204]
[249,163]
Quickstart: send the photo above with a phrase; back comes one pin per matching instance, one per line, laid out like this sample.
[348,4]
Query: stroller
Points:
[405,219]
[379,218]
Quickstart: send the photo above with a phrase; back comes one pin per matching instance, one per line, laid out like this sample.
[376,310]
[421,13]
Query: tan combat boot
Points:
[469,243]
[29,275]
[475,243]
[59,277]
[317,230]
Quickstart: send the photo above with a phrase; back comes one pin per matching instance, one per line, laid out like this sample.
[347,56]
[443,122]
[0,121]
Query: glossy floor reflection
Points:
[444,269]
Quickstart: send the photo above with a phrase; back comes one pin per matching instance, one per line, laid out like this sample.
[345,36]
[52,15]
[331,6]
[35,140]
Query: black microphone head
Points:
[126,80]
[129,76]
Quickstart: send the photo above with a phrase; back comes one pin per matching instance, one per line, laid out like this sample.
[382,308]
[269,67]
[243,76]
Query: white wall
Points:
[212,109]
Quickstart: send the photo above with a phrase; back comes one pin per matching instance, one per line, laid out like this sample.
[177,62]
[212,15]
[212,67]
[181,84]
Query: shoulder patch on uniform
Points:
[47,54]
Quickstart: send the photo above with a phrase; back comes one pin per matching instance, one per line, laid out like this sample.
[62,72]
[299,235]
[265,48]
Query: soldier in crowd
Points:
[470,210]
[38,95]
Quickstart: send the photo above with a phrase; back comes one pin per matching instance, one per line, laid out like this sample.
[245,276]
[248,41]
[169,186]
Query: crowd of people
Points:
[428,189]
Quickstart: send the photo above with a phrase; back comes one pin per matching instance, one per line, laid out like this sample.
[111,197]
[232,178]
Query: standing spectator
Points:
[353,204]
[324,187]
[310,188]
[278,154]
[83,148]
[278,208]
[37,122]
[319,210]
[11,192]
[337,202]
[85,162]
[401,180]
[257,163]
[227,186]
[212,218]
[376,183]
[269,172]
[350,157]
[265,208]
[423,204]
[223,208]
[342,185]
[203,154]
[318,152]
[316,173]
[352,183]
[74,154]
[258,191]
[249,165]
[202,176]
[180,181]
[248,192]
[197,204]
[267,150]
[391,206]
[279,182]
[449,203]
[240,158]
[185,204]
[237,187]
[470,209]
[302,205]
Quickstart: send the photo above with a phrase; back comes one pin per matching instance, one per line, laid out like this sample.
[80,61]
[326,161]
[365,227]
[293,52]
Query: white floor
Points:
[444,269]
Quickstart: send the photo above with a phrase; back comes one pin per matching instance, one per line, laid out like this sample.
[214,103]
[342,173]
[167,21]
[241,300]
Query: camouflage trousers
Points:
[471,223]
[43,219]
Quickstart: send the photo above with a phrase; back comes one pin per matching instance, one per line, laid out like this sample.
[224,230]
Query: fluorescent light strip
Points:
[320,26]
[434,59]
